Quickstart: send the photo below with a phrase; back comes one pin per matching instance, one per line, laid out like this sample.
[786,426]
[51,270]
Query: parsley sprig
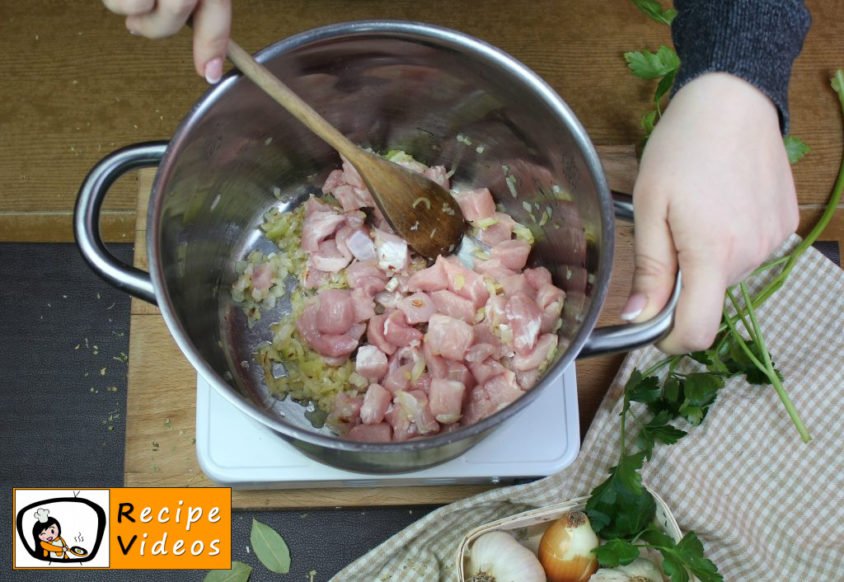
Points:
[676,389]
[661,65]
[678,559]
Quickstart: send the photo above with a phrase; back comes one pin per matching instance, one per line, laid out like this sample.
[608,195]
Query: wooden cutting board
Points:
[160,417]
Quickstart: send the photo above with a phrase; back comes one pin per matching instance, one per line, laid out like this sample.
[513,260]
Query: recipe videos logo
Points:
[125,528]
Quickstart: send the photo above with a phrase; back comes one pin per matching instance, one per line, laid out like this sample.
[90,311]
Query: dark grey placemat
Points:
[64,336]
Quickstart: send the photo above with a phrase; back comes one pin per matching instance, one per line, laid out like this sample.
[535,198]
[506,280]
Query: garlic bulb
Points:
[565,550]
[639,570]
[497,557]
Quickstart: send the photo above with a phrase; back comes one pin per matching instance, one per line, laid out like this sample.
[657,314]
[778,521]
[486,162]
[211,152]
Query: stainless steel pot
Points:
[389,85]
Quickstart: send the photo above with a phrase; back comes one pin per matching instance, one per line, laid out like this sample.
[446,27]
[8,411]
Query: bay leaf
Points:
[239,572]
[270,547]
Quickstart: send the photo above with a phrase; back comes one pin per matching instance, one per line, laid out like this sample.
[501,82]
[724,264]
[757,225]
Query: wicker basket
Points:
[529,526]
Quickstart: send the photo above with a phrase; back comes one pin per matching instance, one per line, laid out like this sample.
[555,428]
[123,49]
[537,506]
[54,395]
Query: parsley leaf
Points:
[672,394]
[641,389]
[705,357]
[654,10]
[658,430]
[664,86]
[620,506]
[795,148]
[674,568]
[700,390]
[692,550]
[657,538]
[693,414]
[650,65]
[682,557]
[740,363]
[616,553]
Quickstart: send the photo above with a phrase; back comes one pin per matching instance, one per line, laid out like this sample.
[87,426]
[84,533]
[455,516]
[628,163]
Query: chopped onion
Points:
[422,200]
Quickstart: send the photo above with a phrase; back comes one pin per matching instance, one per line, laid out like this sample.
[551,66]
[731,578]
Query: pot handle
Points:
[629,336]
[86,219]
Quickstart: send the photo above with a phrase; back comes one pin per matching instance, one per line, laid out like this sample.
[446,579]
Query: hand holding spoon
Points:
[419,210]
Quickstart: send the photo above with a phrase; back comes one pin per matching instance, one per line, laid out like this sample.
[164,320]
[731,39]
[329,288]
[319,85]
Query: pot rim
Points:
[410,31]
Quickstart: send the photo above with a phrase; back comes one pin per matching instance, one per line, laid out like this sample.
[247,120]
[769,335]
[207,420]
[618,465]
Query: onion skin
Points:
[565,550]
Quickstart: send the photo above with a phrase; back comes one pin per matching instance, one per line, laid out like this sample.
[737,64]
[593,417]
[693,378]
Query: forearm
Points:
[756,40]
[52,547]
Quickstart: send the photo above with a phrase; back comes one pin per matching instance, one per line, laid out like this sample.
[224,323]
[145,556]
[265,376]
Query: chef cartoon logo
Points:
[59,528]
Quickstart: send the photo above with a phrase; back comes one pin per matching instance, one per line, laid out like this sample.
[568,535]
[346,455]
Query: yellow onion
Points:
[565,550]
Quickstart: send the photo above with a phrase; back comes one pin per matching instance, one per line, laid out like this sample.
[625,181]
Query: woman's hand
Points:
[714,197]
[211,21]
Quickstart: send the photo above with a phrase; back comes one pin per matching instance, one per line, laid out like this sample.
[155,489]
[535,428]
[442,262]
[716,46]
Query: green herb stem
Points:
[820,226]
[625,407]
[770,265]
[789,262]
[766,366]
[743,345]
[724,338]
[671,360]
[740,316]
[771,373]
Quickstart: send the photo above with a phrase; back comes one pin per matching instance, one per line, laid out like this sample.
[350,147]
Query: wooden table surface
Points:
[77,86]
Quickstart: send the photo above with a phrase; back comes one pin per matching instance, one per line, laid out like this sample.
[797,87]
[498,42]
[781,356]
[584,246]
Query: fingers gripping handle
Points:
[86,220]
[622,338]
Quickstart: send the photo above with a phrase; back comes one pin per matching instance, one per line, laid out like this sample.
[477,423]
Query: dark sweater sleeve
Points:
[755,40]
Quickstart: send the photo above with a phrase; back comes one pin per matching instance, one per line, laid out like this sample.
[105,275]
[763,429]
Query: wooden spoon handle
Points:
[273,86]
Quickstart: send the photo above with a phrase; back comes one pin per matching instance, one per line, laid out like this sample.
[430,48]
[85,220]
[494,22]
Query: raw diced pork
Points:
[448,337]
[375,403]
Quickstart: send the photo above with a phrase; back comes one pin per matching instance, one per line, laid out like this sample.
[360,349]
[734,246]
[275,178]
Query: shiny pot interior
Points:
[386,85]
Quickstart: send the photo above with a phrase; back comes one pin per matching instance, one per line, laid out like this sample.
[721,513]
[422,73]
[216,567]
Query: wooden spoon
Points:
[419,210]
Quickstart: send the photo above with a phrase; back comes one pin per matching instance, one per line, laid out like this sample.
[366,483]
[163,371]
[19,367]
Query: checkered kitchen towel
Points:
[766,505]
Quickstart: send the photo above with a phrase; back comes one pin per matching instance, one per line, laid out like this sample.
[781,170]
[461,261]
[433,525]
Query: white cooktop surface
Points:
[235,450]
